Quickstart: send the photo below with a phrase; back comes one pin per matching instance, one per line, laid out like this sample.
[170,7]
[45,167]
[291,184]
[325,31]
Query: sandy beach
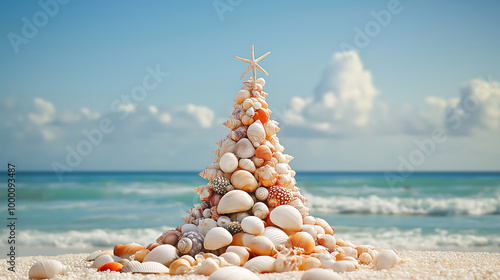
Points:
[415,265]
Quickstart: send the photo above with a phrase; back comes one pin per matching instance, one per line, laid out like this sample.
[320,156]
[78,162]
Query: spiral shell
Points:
[169,237]
[256,133]
[223,221]
[365,258]
[232,124]
[247,164]
[238,134]
[260,210]
[247,120]
[252,225]
[127,250]
[180,267]
[210,174]
[271,128]
[266,175]
[244,148]
[259,162]
[261,193]
[227,146]
[46,269]
[244,180]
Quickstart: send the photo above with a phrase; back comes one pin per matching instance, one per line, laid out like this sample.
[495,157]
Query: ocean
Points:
[94,210]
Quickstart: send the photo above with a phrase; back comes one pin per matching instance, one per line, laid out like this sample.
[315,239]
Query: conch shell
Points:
[271,128]
[210,174]
[232,124]
[266,175]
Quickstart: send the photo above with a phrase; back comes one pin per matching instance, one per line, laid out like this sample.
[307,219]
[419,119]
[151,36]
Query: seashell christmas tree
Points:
[252,213]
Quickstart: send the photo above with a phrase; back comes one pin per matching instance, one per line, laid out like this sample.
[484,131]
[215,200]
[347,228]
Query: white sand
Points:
[416,265]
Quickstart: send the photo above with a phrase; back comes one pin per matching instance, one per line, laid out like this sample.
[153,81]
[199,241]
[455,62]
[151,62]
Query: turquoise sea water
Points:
[88,210]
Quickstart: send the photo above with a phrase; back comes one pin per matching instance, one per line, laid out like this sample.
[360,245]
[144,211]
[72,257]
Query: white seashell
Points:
[229,273]
[271,128]
[242,253]
[150,268]
[246,120]
[210,174]
[349,251]
[228,146]
[235,201]
[164,254]
[92,256]
[260,210]
[180,267]
[205,225]
[261,81]
[258,161]
[320,274]
[217,237]
[239,216]
[319,229]
[228,162]
[257,105]
[286,217]
[309,220]
[343,266]
[244,180]
[261,193]
[256,133]
[232,258]
[262,246]
[385,260]
[247,164]
[291,173]
[207,267]
[311,230]
[250,112]
[280,157]
[223,221]
[286,181]
[247,103]
[327,240]
[104,259]
[277,236]
[260,264]
[241,96]
[128,267]
[326,260]
[365,258]
[47,269]
[281,168]
[244,148]
[188,227]
[297,203]
[310,263]
[232,123]
[207,213]
[324,224]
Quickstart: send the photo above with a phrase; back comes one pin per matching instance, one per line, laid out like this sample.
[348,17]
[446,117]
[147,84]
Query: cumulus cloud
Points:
[342,102]
[43,112]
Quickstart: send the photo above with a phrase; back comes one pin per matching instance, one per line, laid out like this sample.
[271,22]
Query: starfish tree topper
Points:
[253,64]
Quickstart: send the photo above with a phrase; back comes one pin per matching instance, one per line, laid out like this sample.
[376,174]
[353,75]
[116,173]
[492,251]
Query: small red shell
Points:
[112,266]
[262,115]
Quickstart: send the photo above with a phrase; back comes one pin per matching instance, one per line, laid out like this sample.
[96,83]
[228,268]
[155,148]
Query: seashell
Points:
[223,221]
[343,266]
[207,213]
[247,164]
[328,229]
[205,191]
[169,237]
[219,143]
[235,201]
[320,273]
[150,268]
[260,210]
[259,162]
[311,230]
[242,239]
[127,250]
[326,260]
[215,199]
[319,229]
[247,103]
[164,254]
[128,267]
[228,162]
[365,258]
[104,259]
[92,256]
[179,267]
[141,254]
[244,148]
[247,120]
[261,114]
[214,165]
[232,258]
[327,240]
[242,253]
[241,96]
[238,216]
[238,134]
[340,242]
[286,217]
[297,203]
[256,133]
[232,124]
[260,264]
[217,238]
[112,266]
[243,180]
[303,240]
[46,269]
[191,242]
[310,263]
[229,272]
[205,225]
[188,227]
[266,175]
[262,246]
[287,260]
[365,249]
[261,193]
[309,220]
[285,181]
[228,146]
[277,236]
[349,251]
[264,152]
[385,260]
[210,174]
[261,81]
[281,168]
[257,105]
[278,196]
[271,128]
[207,267]
[250,112]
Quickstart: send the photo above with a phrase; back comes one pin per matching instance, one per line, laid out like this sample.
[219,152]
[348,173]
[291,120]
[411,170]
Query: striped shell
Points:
[46,269]
[260,264]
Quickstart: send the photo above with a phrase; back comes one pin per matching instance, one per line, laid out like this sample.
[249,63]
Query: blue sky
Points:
[420,64]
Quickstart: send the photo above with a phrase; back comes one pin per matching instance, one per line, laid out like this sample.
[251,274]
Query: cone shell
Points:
[310,263]
[127,250]
[179,267]
[228,162]
[260,264]
[229,272]
[244,148]
[385,260]
[150,268]
[303,240]
[260,210]
[164,254]
[320,273]
[46,269]
[277,236]
[247,164]
[243,180]
[286,217]
[217,238]
[256,133]
[241,96]
[241,251]
[271,128]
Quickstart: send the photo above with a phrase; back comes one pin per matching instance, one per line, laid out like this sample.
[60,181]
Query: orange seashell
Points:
[264,103]
[303,240]
[127,250]
[262,115]
[264,152]
[242,239]
[141,254]
[112,266]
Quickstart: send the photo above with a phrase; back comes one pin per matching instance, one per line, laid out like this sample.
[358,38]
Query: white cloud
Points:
[43,113]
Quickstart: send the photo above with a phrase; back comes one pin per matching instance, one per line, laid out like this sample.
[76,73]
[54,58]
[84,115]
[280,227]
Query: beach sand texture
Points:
[415,265]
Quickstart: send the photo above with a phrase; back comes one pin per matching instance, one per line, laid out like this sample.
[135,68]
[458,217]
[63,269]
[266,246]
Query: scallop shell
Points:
[260,264]
[244,180]
[207,267]
[150,268]
[247,120]
[104,259]
[271,128]
[327,240]
[344,266]
[247,164]
[241,96]
[228,162]
[231,258]
[244,148]
[223,221]
[217,238]
[262,246]
[228,146]
[261,193]
[179,267]
[164,254]
[264,152]
[128,267]
[252,225]
[46,269]
[286,217]
[310,263]
[266,175]
[127,250]
[205,225]
[320,273]
[303,240]
[235,201]
[277,236]
[385,260]
[229,272]
[256,133]
[242,253]
[311,230]
[232,124]
[365,258]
